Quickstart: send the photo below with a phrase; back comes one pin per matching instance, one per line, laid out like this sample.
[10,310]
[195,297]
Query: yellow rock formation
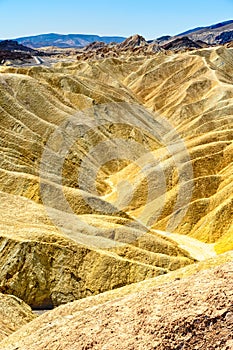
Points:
[97,155]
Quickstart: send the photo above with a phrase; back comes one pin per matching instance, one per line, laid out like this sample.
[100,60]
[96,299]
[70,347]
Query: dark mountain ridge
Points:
[12,45]
[214,26]
[216,34]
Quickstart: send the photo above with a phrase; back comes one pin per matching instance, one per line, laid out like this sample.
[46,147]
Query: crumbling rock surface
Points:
[14,313]
[192,313]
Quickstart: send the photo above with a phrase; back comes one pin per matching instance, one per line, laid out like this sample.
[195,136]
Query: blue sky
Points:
[120,17]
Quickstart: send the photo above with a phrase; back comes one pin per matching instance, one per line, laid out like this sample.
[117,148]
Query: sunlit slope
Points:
[45,267]
[62,256]
[192,91]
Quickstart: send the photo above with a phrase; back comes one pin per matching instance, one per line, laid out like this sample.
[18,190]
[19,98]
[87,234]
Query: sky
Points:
[150,18]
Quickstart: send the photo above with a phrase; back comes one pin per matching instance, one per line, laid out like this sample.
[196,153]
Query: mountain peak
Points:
[181,44]
[133,41]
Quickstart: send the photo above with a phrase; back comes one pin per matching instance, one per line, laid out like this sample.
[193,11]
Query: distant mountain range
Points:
[66,41]
[211,27]
[220,33]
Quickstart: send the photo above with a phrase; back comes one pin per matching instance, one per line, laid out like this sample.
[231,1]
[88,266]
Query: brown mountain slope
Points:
[181,44]
[194,312]
[216,34]
[14,313]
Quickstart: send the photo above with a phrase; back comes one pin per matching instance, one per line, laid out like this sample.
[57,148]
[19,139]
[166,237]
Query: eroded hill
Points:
[97,155]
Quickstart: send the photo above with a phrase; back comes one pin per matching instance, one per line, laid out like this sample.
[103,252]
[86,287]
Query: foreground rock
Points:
[49,274]
[14,313]
[191,313]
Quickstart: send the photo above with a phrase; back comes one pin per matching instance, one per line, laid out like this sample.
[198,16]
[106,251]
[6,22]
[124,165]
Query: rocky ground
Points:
[191,313]
[14,313]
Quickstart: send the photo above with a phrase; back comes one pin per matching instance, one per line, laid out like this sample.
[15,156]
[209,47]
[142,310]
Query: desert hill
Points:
[104,160]
[117,191]
[181,43]
[12,51]
[192,312]
[11,45]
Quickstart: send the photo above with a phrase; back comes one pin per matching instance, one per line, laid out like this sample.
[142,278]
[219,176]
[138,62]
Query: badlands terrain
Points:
[116,190]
